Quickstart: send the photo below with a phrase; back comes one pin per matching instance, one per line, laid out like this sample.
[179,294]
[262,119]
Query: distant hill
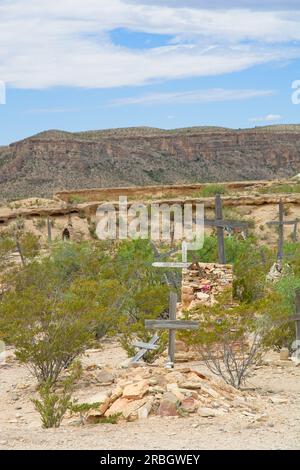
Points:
[56,160]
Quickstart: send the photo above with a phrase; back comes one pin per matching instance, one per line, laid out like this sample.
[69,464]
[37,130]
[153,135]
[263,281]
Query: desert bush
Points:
[77,199]
[282,293]
[7,246]
[40,223]
[50,321]
[141,293]
[83,408]
[212,190]
[281,188]
[54,401]
[230,339]
[30,245]
[52,406]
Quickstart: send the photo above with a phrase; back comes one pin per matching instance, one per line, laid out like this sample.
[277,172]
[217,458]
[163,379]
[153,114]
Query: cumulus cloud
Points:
[46,44]
[267,118]
[192,97]
[228,4]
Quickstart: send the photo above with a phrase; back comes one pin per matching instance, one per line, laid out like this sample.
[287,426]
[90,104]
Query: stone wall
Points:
[202,282]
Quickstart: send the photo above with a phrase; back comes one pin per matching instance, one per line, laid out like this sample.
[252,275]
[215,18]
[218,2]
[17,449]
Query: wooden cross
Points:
[144,348]
[170,281]
[281,223]
[222,224]
[172,325]
[177,264]
[49,229]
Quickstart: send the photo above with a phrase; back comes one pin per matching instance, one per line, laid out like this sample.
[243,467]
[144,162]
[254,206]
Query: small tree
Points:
[49,322]
[230,340]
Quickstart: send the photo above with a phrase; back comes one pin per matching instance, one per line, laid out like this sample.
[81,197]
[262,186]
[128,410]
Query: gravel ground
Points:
[278,383]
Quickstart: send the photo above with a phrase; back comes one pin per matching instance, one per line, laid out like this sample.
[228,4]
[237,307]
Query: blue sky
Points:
[117,63]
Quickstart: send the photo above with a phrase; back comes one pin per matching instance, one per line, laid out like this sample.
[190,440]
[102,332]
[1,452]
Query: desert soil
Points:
[277,426]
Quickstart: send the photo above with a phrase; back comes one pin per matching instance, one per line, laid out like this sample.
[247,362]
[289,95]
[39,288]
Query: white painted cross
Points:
[179,264]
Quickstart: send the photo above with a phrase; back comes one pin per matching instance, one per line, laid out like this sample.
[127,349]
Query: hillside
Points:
[56,160]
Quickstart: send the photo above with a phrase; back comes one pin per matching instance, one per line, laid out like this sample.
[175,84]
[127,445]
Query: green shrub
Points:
[54,402]
[212,190]
[283,188]
[30,245]
[50,322]
[40,223]
[231,338]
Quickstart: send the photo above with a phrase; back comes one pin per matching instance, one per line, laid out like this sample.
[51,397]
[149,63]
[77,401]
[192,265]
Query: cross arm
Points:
[286,222]
[159,264]
[226,223]
[171,325]
[142,345]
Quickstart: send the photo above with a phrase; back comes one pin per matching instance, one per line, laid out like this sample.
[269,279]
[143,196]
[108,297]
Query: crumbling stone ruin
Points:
[203,282]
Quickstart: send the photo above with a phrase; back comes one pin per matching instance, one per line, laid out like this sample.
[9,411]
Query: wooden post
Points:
[172,325]
[184,251]
[172,333]
[298,321]
[220,230]
[49,230]
[281,233]
[19,248]
[295,232]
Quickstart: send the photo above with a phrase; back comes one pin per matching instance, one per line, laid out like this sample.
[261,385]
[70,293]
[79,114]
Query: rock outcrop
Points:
[54,160]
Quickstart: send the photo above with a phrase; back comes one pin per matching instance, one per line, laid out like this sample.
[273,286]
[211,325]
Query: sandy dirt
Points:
[277,426]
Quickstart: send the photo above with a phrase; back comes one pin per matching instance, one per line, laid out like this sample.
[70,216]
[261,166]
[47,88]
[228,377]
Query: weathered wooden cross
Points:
[151,345]
[175,264]
[172,325]
[49,230]
[281,223]
[222,224]
[144,348]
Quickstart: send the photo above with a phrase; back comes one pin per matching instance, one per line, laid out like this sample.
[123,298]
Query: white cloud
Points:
[254,4]
[192,97]
[44,44]
[267,118]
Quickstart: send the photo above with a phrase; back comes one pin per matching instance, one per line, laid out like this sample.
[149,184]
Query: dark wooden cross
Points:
[281,223]
[172,325]
[222,224]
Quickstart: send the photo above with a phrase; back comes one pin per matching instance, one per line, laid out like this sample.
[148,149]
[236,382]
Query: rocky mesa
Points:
[55,160]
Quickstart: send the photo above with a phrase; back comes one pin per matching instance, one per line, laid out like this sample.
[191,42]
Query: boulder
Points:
[145,410]
[189,405]
[128,408]
[190,385]
[137,390]
[168,405]
[105,377]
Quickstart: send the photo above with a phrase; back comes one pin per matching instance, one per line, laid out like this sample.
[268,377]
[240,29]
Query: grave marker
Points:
[172,325]
[281,223]
[222,224]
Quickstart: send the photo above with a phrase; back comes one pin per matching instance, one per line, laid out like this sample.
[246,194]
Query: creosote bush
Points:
[231,338]
[56,399]
[50,318]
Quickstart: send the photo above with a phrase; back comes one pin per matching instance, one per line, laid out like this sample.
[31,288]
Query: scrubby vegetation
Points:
[57,305]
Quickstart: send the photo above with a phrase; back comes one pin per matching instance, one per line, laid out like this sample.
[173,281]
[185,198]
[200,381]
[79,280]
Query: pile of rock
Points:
[144,391]
[203,282]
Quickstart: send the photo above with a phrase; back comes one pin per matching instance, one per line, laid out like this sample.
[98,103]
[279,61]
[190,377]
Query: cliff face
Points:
[53,161]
